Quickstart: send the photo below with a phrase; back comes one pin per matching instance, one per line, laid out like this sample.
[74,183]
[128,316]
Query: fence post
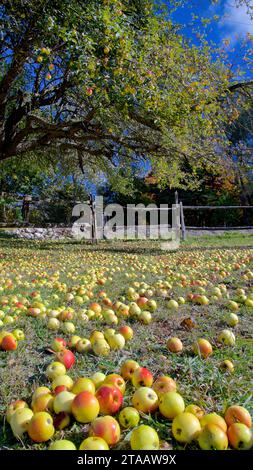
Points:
[176,197]
[93,220]
[182,221]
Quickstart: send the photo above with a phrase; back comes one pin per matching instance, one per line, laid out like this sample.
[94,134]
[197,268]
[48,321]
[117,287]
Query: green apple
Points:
[185,427]
[171,404]
[20,420]
[212,437]
[129,417]
[63,402]
[231,319]
[144,438]
[62,444]
[19,334]
[54,370]
[68,327]
[227,337]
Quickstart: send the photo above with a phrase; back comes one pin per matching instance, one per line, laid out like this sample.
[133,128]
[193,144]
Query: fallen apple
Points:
[40,427]
[144,438]
[212,437]
[85,407]
[185,427]
[107,428]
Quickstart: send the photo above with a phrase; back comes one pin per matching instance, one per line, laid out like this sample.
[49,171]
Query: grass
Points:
[39,266]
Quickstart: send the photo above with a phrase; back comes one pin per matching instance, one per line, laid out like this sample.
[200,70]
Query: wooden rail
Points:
[217,207]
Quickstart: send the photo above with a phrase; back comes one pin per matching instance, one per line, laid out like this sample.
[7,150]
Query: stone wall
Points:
[52,233]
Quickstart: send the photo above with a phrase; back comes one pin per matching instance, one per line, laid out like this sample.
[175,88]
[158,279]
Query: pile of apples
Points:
[9,340]
[100,343]
[99,402]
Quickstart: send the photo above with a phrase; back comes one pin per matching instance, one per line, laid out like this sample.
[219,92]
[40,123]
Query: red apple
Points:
[110,399]
[67,358]
[142,377]
[58,344]
[174,345]
[9,343]
[238,414]
[61,420]
[107,428]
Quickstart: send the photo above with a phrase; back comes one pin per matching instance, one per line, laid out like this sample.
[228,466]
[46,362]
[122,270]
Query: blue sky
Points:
[228,23]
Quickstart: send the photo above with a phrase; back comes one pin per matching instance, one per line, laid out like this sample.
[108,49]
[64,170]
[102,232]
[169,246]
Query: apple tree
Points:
[108,82]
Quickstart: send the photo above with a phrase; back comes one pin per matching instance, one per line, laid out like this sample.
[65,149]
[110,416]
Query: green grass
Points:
[199,381]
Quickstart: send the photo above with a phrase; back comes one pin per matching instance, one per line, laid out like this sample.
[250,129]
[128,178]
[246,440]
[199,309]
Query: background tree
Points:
[111,80]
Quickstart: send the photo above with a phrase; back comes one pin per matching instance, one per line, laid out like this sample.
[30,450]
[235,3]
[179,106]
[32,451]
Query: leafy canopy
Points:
[107,82]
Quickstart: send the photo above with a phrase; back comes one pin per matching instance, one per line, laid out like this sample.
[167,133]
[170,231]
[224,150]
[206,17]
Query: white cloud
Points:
[235,22]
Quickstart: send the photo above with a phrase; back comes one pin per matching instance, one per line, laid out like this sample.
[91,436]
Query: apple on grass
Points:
[40,427]
[53,324]
[172,304]
[18,334]
[174,345]
[68,327]
[109,332]
[43,402]
[231,319]
[116,341]
[227,338]
[101,347]
[240,436]
[62,380]
[171,404]
[127,369]
[238,414]
[14,406]
[63,402]
[85,407]
[110,399]
[142,377]
[145,399]
[144,438]
[212,437]
[94,443]
[202,347]
[98,378]
[67,358]
[40,391]
[145,317]
[9,343]
[58,344]
[55,369]
[73,341]
[164,384]
[19,421]
[127,332]
[195,410]
[214,418]
[83,345]
[62,444]
[83,384]
[185,427]
[117,381]
[129,417]
[107,428]
[227,366]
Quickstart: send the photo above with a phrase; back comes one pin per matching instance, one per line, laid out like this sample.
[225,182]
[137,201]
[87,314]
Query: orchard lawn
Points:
[44,267]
